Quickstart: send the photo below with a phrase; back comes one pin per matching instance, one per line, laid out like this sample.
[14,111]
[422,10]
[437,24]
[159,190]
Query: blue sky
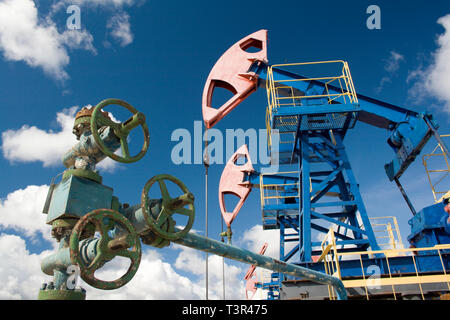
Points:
[157,57]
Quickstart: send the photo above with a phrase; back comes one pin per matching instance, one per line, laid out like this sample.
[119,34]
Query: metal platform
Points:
[391,273]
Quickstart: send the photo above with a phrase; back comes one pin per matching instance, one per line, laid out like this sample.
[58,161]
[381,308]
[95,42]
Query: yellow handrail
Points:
[438,195]
[265,188]
[388,226]
[344,82]
[331,256]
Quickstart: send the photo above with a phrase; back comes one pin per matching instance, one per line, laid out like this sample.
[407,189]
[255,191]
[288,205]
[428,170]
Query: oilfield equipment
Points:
[93,227]
[307,119]
[314,199]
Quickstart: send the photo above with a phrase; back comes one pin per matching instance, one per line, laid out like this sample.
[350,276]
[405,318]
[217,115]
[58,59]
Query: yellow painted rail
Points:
[331,257]
[438,177]
[281,94]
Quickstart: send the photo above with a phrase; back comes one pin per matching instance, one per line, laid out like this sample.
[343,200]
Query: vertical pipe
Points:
[282,236]
[223,260]
[354,188]
[206,163]
[306,200]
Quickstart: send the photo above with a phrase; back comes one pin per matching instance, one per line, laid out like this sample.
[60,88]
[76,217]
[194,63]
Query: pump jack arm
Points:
[243,72]
[409,130]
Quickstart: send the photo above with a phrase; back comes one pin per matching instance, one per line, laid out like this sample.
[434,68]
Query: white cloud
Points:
[255,237]
[22,211]
[21,275]
[434,80]
[30,144]
[391,66]
[78,39]
[118,25]
[120,29]
[155,280]
[114,4]
[25,37]
[193,261]
[393,62]
[20,272]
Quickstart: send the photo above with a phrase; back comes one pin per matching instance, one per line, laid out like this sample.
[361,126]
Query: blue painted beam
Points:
[334,221]
[373,111]
[333,204]
[410,130]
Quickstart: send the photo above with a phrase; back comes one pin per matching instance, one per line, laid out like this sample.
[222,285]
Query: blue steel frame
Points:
[318,141]
[350,201]
[315,144]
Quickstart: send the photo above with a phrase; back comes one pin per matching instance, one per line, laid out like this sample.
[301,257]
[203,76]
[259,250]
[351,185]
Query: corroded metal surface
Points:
[55,294]
[105,220]
[80,196]
[121,130]
[83,121]
[168,207]
[87,153]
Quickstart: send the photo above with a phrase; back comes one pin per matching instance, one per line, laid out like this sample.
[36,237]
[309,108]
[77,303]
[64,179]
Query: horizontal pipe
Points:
[56,261]
[195,241]
[60,260]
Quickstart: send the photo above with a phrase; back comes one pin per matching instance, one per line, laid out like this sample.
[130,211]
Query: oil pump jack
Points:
[307,119]
[93,227]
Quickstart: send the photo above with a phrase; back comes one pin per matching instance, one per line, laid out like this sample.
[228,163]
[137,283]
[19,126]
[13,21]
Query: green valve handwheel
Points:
[121,130]
[183,205]
[128,246]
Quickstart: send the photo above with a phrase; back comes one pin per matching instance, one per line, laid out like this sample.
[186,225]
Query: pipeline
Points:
[87,249]
[208,245]
[195,241]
